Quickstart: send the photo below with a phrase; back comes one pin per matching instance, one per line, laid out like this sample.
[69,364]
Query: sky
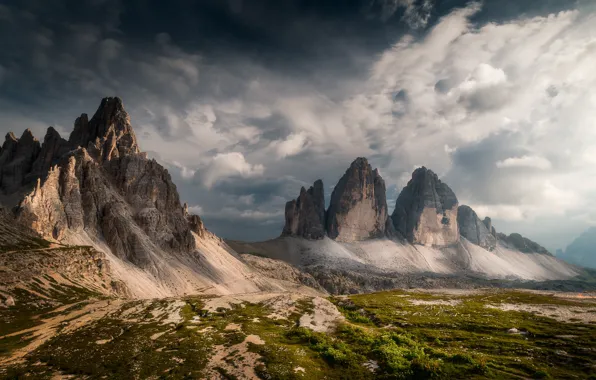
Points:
[246,101]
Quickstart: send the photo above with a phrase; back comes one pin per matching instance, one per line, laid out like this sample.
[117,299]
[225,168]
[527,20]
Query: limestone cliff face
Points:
[426,211]
[358,206]
[475,230]
[305,216]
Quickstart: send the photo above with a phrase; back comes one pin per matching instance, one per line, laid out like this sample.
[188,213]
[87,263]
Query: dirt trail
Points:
[69,322]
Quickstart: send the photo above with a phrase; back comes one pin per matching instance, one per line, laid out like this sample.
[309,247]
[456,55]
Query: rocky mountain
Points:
[305,216]
[357,210]
[358,206]
[428,241]
[476,231]
[582,251]
[426,211]
[97,188]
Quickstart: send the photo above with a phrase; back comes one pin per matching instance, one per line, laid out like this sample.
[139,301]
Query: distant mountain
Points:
[582,251]
[356,245]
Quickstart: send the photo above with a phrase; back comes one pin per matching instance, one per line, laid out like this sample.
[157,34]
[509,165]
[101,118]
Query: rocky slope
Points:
[36,273]
[97,188]
[357,209]
[522,244]
[426,211]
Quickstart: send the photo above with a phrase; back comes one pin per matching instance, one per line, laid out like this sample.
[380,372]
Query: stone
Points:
[426,211]
[489,226]
[518,242]
[16,160]
[472,228]
[108,134]
[53,147]
[305,216]
[358,206]
[9,301]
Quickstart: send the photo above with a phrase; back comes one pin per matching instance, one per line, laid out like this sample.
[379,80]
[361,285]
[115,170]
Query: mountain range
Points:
[582,250]
[98,190]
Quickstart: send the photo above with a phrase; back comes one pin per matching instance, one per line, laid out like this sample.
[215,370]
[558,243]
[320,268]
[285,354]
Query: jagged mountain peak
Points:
[108,134]
[27,136]
[305,215]
[10,136]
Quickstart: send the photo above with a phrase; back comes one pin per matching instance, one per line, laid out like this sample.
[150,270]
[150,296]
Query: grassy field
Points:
[387,335]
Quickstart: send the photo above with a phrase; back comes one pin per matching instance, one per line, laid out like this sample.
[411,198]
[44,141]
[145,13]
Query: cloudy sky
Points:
[247,101]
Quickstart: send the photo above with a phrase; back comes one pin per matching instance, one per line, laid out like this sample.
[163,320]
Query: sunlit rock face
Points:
[358,206]
[426,211]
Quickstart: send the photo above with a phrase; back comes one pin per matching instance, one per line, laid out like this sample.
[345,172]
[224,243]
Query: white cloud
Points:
[185,171]
[195,210]
[536,162]
[291,146]
[225,165]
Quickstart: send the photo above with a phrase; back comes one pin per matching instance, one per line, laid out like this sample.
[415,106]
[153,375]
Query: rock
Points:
[9,301]
[305,216]
[426,211]
[517,242]
[16,160]
[473,229]
[108,134]
[489,226]
[52,149]
[358,207]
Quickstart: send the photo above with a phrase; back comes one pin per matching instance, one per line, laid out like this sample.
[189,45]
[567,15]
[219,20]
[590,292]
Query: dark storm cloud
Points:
[256,78]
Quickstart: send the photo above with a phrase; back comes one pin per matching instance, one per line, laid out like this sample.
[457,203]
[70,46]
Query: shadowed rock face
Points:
[358,207]
[109,134]
[100,185]
[475,230]
[522,244]
[488,223]
[17,158]
[305,216]
[426,211]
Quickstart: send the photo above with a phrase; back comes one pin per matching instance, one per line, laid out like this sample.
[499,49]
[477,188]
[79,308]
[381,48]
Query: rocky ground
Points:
[416,334]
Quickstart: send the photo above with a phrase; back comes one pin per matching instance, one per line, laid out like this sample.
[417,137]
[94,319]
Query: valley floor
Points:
[416,334]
